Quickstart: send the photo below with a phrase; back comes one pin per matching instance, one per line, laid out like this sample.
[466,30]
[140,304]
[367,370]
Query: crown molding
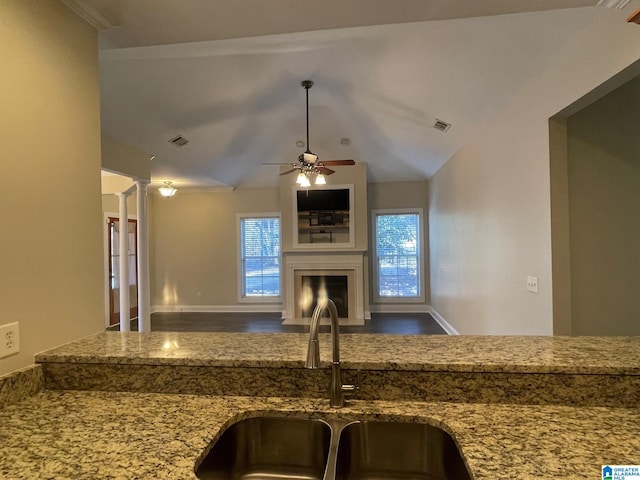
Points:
[98,19]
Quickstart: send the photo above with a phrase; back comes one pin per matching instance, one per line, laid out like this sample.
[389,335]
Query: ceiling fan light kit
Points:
[308,162]
[303,180]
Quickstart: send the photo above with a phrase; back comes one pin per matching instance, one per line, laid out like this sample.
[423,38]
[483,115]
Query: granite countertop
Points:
[100,435]
[517,354]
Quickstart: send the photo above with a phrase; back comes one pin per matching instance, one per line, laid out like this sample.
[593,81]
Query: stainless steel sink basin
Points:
[269,448]
[273,448]
[399,451]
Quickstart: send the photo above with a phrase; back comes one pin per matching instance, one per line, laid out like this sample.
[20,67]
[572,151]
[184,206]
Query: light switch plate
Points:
[532,284]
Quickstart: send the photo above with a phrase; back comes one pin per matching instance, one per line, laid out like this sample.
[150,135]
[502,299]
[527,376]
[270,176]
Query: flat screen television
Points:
[325,199]
[323,217]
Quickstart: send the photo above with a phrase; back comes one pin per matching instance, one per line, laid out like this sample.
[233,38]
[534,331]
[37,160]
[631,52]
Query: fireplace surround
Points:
[321,264]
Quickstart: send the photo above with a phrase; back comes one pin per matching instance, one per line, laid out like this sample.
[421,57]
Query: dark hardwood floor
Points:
[391,323]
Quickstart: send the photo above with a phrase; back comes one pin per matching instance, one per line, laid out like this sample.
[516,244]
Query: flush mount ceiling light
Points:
[308,162]
[167,190]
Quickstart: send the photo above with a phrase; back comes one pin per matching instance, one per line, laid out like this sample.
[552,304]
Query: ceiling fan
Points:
[308,162]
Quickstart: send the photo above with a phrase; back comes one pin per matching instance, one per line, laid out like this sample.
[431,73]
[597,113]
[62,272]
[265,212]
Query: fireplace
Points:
[340,275]
[309,285]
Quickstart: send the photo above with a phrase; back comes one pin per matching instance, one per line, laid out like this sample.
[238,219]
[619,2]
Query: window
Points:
[397,254]
[259,256]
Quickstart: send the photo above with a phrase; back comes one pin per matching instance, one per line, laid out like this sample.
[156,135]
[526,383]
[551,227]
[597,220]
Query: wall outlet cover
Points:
[9,339]
[532,284]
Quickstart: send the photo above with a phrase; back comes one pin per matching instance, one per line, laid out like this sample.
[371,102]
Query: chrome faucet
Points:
[338,389]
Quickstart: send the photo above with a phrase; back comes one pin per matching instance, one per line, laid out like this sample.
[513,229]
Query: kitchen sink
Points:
[269,448]
[278,448]
[399,451]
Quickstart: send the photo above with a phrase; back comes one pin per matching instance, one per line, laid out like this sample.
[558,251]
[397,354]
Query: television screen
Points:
[310,200]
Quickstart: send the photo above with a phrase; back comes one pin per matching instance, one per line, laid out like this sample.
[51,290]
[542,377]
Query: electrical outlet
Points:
[9,339]
[532,284]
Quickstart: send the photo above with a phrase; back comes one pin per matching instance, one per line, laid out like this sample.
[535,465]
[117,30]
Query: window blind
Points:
[260,256]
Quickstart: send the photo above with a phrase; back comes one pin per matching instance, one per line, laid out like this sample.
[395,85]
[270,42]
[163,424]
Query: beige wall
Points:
[50,236]
[604,199]
[194,239]
[194,244]
[490,204]
[115,183]
[401,195]
[111,205]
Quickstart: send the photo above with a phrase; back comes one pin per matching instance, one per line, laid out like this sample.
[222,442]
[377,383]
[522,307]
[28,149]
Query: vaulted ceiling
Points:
[226,75]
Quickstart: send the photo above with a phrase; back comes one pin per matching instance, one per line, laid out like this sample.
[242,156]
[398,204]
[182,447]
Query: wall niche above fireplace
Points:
[323,217]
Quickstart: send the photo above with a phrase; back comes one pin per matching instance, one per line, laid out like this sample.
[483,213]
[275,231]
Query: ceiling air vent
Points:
[179,141]
[441,125]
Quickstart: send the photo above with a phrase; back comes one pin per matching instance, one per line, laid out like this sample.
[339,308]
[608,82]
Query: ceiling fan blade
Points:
[289,171]
[325,170]
[286,163]
[337,162]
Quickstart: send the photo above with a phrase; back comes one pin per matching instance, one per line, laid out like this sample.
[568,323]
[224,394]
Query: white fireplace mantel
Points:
[325,262]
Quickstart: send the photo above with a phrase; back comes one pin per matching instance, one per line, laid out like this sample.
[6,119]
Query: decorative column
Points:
[144,307]
[123,284]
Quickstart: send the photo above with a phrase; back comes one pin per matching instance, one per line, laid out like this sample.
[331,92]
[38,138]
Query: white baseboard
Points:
[277,308]
[274,307]
[446,326]
[399,308]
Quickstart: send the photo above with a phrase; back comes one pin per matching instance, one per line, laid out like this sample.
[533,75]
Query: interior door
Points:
[113,234]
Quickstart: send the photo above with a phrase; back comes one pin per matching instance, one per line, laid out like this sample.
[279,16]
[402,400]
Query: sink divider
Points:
[336,426]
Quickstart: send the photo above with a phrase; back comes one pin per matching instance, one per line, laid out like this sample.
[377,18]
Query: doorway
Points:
[113,236]
[595,227]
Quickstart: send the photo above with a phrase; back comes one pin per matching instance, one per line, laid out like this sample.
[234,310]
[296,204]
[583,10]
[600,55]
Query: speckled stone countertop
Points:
[100,435]
[580,355]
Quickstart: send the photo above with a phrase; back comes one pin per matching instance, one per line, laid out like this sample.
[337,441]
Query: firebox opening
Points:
[333,286]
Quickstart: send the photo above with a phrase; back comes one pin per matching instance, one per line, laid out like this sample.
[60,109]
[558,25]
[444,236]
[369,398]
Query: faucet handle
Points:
[350,389]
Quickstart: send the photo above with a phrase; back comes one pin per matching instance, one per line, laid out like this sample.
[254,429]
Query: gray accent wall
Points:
[604,210]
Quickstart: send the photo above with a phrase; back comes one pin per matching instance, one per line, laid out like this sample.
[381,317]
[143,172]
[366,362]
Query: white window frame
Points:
[420,298]
[245,299]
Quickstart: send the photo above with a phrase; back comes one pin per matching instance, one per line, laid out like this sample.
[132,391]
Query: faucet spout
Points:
[337,389]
